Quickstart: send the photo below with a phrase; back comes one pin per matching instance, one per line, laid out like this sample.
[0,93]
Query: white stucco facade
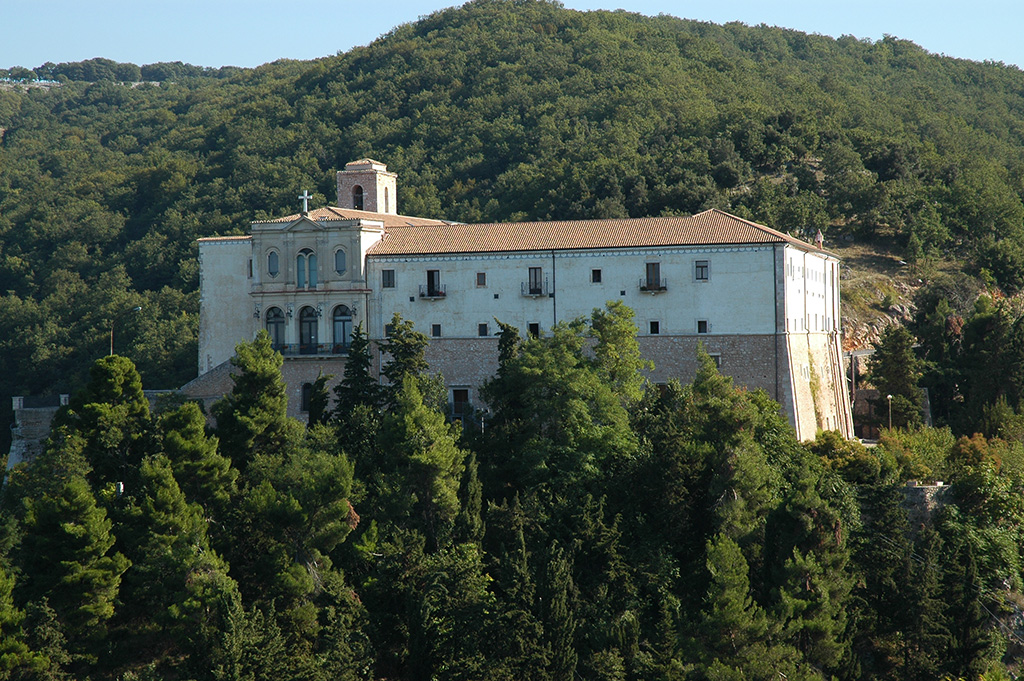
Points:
[765,305]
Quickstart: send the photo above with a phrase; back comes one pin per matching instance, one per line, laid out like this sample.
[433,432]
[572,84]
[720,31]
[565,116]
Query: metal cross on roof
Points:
[305,197]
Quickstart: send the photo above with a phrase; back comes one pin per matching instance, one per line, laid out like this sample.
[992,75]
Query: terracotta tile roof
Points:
[334,213]
[707,228]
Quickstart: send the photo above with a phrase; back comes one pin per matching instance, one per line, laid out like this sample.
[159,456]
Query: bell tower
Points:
[367,185]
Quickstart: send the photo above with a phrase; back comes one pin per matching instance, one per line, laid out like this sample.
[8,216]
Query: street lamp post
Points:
[889,397]
[137,308]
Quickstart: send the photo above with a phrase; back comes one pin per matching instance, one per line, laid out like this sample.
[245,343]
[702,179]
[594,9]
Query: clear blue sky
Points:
[253,32]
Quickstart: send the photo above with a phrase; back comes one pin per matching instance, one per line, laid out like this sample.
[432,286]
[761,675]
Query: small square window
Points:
[534,329]
[655,328]
[595,276]
[622,293]
[495,296]
[702,326]
[435,330]
[387,278]
[481,279]
[701,270]
[482,330]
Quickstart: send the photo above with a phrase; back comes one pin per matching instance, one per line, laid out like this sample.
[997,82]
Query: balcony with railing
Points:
[535,289]
[653,284]
[313,349]
[433,291]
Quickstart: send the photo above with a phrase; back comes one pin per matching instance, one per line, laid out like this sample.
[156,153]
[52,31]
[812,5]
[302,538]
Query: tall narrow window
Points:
[387,201]
[342,323]
[434,283]
[307,331]
[273,264]
[275,327]
[339,261]
[536,283]
[357,197]
[305,269]
[653,276]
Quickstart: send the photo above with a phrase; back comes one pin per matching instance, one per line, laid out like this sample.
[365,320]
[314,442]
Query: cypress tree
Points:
[560,617]
[972,643]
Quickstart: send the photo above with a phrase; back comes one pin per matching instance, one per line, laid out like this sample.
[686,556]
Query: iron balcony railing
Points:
[653,285]
[535,289]
[433,292]
[322,349]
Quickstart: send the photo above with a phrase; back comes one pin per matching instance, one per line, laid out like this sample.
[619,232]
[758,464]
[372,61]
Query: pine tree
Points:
[734,626]
[66,557]
[430,462]
[206,477]
[252,419]
[405,348]
[178,581]
[111,415]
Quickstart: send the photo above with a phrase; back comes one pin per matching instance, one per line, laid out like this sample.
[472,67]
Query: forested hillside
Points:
[492,111]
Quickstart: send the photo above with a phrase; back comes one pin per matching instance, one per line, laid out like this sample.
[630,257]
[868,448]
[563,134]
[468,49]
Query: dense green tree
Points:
[67,556]
[204,475]
[252,419]
[895,370]
[617,351]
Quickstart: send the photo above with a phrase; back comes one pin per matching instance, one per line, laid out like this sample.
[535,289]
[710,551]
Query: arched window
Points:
[357,197]
[339,261]
[342,329]
[273,266]
[275,327]
[307,331]
[387,203]
[305,268]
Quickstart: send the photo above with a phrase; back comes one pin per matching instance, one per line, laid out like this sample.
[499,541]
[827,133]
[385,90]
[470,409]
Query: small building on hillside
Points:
[764,304]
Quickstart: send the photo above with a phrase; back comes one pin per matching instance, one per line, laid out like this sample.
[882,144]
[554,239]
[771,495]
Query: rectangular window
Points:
[536,283]
[655,328]
[460,402]
[481,279]
[482,330]
[250,268]
[387,278]
[433,283]
[653,278]
[389,329]
[595,276]
[717,359]
[702,326]
[534,329]
[435,330]
[701,270]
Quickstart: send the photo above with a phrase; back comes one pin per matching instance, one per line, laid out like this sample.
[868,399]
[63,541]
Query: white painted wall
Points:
[738,297]
[225,310]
